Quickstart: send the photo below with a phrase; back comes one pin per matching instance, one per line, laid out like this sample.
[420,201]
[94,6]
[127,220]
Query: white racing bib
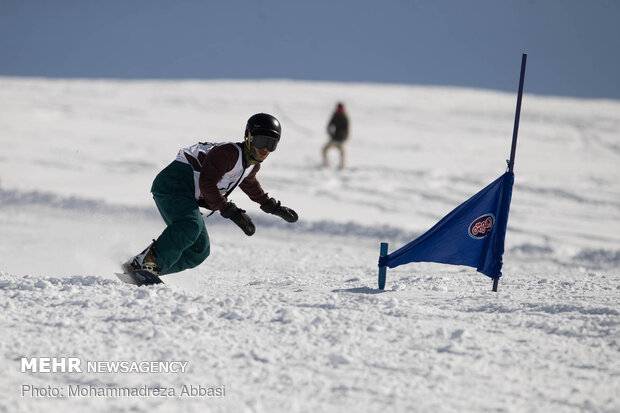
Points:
[195,156]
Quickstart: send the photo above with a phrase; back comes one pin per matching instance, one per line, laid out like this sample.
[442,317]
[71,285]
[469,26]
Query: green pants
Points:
[185,242]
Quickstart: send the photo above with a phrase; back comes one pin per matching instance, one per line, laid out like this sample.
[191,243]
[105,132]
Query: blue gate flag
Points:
[472,234]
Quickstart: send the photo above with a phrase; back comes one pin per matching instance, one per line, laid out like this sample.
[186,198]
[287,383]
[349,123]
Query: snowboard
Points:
[139,277]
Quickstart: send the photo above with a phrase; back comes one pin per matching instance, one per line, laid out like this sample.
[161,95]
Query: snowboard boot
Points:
[146,260]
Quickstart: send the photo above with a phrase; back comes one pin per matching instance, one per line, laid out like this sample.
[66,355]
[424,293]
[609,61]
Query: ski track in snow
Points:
[291,319]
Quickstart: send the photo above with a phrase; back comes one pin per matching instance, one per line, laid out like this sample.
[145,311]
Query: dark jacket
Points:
[218,161]
[338,127]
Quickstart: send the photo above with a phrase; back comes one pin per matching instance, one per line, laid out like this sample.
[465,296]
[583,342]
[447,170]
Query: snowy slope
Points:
[290,319]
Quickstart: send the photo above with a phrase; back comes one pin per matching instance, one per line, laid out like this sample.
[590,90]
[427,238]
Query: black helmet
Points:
[263,124]
[262,131]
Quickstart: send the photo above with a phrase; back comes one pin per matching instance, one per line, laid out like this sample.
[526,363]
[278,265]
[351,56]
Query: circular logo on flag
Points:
[481,226]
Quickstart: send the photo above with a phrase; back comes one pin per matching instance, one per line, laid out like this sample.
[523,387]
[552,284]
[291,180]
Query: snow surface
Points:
[291,319]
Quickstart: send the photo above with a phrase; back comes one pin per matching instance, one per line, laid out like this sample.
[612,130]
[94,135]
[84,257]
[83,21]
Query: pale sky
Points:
[573,46]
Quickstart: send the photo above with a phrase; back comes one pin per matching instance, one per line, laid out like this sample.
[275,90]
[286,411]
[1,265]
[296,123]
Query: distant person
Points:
[204,175]
[338,131]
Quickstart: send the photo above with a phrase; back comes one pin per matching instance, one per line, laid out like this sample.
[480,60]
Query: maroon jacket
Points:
[218,161]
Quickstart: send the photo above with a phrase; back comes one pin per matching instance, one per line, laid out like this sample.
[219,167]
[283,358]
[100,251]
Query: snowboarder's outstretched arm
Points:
[219,161]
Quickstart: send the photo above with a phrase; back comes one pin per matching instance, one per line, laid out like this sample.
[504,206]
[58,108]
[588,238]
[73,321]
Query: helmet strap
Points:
[248,150]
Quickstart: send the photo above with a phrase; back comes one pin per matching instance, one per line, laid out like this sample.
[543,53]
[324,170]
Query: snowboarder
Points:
[338,131]
[204,175]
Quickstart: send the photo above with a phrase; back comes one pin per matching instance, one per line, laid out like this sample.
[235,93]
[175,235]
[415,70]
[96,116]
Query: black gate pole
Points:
[515,132]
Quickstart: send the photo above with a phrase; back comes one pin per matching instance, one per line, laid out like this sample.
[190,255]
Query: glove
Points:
[274,207]
[239,217]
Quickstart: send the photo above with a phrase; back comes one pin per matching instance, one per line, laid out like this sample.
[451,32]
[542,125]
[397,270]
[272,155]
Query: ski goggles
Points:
[263,141]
